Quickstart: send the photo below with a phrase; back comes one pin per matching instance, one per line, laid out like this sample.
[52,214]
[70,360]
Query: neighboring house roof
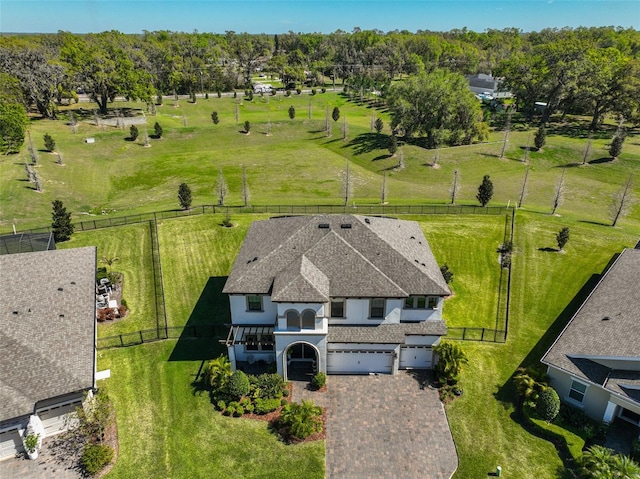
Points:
[606,327]
[482,80]
[385,333]
[26,243]
[313,258]
[47,327]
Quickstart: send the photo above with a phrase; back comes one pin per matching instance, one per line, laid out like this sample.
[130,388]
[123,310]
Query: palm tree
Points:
[451,358]
[109,260]
[596,463]
[624,468]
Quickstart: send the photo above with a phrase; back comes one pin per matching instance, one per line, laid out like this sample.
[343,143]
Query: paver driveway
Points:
[387,426]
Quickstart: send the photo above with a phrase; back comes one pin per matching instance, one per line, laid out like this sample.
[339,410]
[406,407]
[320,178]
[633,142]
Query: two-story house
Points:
[595,362]
[336,294]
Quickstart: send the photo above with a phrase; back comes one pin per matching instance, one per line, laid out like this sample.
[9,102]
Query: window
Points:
[306,321]
[577,391]
[433,302]
[258,342]
[376,308]
[415,302]
[337,308]
[254,303]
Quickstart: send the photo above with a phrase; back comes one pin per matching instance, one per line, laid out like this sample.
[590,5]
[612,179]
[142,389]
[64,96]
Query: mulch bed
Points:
[110,439]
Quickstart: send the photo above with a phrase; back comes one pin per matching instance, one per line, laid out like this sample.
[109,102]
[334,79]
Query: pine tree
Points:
[485,191]
[214,118]
[393,146]
[378,125]
[540,138]
[158,129]
[184,196]
[562,237]
[61,222]
[292,112]
[615,149]
[49,142]
[335,114]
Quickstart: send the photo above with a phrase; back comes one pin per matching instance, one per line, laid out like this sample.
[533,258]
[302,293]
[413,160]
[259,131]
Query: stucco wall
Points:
[240,315]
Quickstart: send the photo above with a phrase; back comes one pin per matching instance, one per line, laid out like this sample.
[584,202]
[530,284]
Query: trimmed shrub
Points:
[266,386]
[292,112]
[249,408]
[319,381]
[214,118]
[283,402]
[298,90]
[238,385]
[206,96]
[49,142]
[287,93]
[323,90]
[548,404]
[95,457]
[285,392]
[221,405]
[239,411]
[313,91]
[158,130]
[447,274]
[244,402]
[635,450]
[264,406]
[133,132]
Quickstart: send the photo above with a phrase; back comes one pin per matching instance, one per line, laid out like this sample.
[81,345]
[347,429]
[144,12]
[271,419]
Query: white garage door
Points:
[55,419]
[359,362]
[10,444]
[419,357]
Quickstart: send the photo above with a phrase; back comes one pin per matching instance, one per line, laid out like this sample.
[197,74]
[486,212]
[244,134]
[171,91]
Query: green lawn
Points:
[168,429]
[132,246]
[296,164]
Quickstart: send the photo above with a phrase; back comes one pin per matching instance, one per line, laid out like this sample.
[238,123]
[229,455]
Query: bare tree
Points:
[36,180]
[221,188]
[400,164]
[622,202]
[309,109]
[345,129]
[268,125]
[523,190]
[372,126]
[587,150]
[245,187]
[455,186]
[383,192]
[346,187]
[507,130]
[237,113]
[525,157]
[60,162]
[558,198]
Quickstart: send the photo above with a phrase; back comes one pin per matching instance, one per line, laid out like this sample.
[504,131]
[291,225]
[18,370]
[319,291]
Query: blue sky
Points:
[270,16]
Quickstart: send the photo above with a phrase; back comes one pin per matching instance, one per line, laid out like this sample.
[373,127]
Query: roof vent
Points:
[345,226]
[61,316]
[323,226]
[60,288]
[73,282]
[416,261]
[255,258]
[423,265]
[413,237]
[606,318]
[15,312]
[367,220]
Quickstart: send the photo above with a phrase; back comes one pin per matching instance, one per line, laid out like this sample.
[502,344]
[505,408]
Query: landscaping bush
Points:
[49,142]
[302,420]
[323,90]
[287,93]
[239,411]
[249,408]
[95,457]
[548,404]
[264,406]
[133,132]
[298,90]
[266,386]
[158,130]
[159,99]
[285,392]
[313,91]
[214,118]
[451,358]
[238,385]
[221,405]
[635,450]
[319,381]
[217,373]
[283,402]
[447,274]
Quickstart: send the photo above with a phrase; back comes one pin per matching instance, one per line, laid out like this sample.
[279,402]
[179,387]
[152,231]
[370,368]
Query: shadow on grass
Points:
[598,161]
[199,341]
[368,142]
[550,250]
[597,223]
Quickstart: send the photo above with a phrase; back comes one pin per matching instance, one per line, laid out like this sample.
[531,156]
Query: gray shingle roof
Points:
[625,383]
[360,256]
[384,333]
[607,325]
[47,326]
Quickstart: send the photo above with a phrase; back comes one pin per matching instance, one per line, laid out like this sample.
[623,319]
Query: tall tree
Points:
[335,114]
[245,187]
[184,196]
[61,225]
[485,191]
[541,137]
[107,65]
[438,105]
[562,238]
[221,188]
[13,125]
[455,186]
[615,149]
[292,112]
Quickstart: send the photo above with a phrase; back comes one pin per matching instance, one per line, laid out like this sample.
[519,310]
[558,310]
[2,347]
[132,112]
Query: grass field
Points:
[166,428]
[297,163]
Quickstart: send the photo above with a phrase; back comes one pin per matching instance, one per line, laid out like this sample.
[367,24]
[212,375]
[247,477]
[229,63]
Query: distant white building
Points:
[487,85]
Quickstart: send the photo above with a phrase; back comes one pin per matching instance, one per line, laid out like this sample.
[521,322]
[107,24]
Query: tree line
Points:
[593,71]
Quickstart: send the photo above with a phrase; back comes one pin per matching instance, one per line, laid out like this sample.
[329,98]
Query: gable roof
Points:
[359,256]
[47,327]
[607,325]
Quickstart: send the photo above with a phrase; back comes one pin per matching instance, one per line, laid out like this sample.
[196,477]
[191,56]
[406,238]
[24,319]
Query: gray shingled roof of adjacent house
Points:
[606,326]
[359,257]
[384,333]
[625,383]
[47,327]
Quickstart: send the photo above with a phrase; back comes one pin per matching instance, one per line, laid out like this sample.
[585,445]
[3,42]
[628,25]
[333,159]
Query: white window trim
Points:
[573,401]
[384,309]
[259,345]
[344,308]
[426,302]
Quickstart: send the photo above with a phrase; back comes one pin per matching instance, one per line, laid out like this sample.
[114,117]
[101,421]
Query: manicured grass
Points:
[544,285]
[131,244]
[166,428]
[297,163]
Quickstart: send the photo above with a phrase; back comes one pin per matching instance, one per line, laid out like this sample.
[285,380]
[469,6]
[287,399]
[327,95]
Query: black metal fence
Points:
[108,222]
[477,334]
[192,331]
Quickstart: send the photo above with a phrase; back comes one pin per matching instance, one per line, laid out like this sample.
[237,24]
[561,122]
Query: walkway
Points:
[384,426]
[47,466]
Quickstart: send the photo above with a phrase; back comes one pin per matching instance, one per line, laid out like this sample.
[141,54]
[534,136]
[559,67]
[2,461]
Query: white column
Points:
[609,412]
[231,349]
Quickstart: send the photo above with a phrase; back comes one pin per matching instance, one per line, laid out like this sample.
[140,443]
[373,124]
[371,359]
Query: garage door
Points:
[55,419]
[359,362]
[10,444]
[419,357]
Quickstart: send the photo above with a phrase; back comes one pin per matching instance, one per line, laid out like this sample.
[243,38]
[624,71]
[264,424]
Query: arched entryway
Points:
[301,361]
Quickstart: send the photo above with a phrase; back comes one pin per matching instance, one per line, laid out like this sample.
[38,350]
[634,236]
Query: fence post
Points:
[141,340]
[464,333]
[482,336]
[121,342]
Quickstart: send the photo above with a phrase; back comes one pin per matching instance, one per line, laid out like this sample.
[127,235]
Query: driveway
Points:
[385,426]
[50,464]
